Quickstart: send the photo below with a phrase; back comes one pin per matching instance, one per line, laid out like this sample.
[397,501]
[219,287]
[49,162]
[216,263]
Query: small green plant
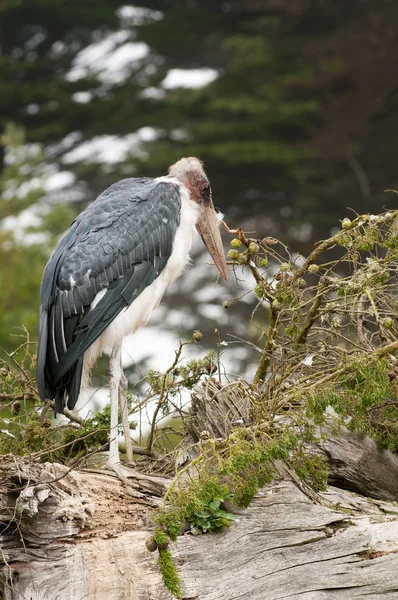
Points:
[212,517]
[169,573]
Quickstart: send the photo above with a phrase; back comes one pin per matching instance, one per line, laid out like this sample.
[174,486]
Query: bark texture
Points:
[78,535]
[74,536]
[357,464]
[81,535]
[285,546]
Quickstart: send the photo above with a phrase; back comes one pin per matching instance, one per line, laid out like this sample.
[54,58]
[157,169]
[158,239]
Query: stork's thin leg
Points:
[125,415]
[115,373]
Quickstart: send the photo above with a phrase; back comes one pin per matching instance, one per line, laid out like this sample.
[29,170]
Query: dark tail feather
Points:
[53,343]
[69,387]
[41,356]
[59,400]
[75,383]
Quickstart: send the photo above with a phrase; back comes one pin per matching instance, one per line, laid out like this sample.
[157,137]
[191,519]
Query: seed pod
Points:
[253,248]
[259,290]
[276,304]
[346,223]
[151,545]
[16,407]
[233,255]
[197,335]
[387,323]
[313,268]
[235,243]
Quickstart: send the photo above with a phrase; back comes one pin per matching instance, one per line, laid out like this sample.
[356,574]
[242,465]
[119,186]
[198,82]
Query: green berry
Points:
[284,267]
[346,223]
[253,248]
[235,243]
[387,323]
[276,304]
[259,290]
[233,254]
[313,269]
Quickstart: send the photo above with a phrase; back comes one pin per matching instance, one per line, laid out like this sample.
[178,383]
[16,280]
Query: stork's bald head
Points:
[191,173]
[184,166]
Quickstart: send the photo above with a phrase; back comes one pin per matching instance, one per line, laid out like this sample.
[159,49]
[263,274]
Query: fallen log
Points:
[79,535]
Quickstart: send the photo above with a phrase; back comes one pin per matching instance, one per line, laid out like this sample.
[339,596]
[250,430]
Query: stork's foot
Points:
[123,473]
[137,484]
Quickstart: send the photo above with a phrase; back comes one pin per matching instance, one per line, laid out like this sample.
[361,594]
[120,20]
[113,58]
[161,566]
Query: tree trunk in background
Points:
[78,535]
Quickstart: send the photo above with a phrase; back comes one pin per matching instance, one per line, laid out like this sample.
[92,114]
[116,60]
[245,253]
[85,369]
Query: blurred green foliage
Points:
[302,114]
[302,111]
[24,248]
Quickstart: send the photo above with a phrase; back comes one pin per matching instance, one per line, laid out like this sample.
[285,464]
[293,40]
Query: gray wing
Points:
[120,243]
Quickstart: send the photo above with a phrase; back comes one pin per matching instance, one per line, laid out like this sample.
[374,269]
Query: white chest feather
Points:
[138,313]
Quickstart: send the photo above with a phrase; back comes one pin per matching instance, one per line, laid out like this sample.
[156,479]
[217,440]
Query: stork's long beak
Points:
[208,228]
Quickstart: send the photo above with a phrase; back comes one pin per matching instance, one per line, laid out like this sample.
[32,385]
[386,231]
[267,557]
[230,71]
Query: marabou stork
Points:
[111,269]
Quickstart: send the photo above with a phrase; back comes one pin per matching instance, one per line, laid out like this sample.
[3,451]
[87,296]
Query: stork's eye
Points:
[205,192]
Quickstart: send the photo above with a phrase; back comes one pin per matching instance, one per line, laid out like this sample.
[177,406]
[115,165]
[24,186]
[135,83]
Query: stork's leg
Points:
[129,477]
[115,373]
[125,415]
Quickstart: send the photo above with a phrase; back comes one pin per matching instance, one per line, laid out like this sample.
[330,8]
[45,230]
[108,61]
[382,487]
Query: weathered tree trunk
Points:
[285,546]
[78,535]
[81,535]
[72,536]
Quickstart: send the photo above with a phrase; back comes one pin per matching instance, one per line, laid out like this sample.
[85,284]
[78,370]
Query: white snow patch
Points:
[59,180]
[109,149]
[137,15]
[207,293]
[189,78]
[67,143]
[214,312]
[152,92]
[82,97]
[18,225]
[147,134]
[301,233]
[298,259]
[111,59]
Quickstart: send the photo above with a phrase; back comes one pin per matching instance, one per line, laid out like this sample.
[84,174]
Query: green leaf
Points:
[215,504]
[202,514]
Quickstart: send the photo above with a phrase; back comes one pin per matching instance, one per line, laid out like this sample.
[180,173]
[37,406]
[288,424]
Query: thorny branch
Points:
[163,393]
[296,308]
[318,317]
